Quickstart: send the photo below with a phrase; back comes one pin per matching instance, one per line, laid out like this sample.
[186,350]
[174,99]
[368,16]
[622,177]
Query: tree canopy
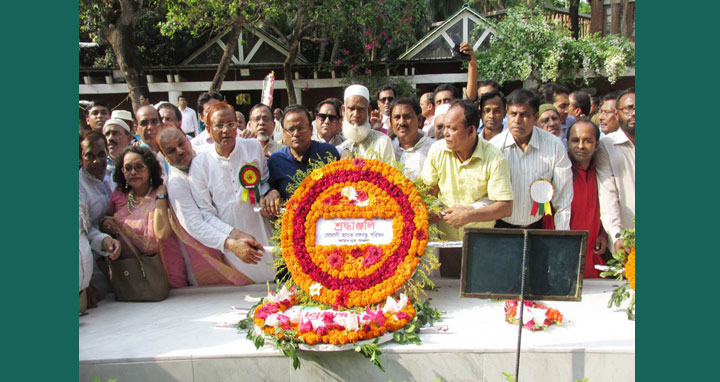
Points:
[528,46]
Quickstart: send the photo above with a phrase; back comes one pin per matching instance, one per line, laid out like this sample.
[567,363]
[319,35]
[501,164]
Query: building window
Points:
[607,24]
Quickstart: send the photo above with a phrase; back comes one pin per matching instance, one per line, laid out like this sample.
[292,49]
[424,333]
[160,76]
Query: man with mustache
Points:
[297,132]
[534,155]
[410,143]
[149,124]
[607,116]
[327,122]
[262,124]
[219,180]
[361,140]
[118,136]
[615,164]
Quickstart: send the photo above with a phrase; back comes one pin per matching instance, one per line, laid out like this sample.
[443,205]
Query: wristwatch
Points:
[161,196]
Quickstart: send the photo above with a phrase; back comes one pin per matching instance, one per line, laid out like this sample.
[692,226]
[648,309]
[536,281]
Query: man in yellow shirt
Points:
[469,175]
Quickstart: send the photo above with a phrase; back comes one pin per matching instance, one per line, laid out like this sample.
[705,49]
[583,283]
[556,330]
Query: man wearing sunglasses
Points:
[386,95]
[328,127]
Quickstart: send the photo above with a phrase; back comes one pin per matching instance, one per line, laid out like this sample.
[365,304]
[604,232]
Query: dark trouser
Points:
[503,224]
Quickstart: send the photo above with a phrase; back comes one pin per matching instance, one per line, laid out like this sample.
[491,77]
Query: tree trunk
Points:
[323,45]
[336,46]
[574,18]
[288,72]
[122,41]
[230,48]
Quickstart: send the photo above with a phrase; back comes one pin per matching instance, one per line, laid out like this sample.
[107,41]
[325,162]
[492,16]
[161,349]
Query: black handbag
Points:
[139,278]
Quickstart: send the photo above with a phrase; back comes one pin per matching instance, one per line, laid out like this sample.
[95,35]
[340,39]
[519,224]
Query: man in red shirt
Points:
[583,140]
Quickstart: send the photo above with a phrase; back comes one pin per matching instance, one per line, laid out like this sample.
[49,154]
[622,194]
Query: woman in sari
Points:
[140,208]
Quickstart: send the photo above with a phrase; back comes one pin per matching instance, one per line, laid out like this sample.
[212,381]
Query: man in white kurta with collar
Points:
[615,167]
[361,140]
[533,154]
[217,189]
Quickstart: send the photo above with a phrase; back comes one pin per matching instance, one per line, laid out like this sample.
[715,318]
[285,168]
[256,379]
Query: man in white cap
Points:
[118,135]
[361,140]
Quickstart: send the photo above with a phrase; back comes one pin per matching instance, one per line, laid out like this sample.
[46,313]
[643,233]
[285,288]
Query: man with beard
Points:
[263,126]
[361,140]
[534,155]
[410,143]
[118,136]
[285,163]
[327,122]
[607,116]
[221,190]
[492,111]
[214,233]
[615,164]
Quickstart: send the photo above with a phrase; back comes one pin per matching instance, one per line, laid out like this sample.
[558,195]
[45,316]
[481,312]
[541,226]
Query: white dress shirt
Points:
[544,157]
[86,256]
[202,141]
[212,233]
[414,157]
[615,168]
[375,146]
[217,191]
[189,121]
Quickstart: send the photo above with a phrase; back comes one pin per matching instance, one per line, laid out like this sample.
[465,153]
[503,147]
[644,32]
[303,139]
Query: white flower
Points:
[272,320]
[315,289]
[349,192]
[390,305]
[403,300]
[351,322]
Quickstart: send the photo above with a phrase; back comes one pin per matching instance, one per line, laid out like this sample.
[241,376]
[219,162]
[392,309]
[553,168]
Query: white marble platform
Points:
[177,340]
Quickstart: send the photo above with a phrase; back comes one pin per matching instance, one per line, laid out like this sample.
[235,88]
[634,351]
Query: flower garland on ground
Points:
[537,316]
[622,265]
[345,294]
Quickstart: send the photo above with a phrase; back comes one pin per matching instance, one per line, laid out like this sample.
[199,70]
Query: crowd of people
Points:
[203,189]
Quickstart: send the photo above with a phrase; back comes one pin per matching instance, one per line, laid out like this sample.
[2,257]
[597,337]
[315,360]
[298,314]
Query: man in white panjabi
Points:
[219,189]
[361,140]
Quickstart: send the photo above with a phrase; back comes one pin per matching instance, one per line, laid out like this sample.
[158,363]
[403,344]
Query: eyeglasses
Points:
[628,109]
[225,126]
[294,130]
[607,112]
[146,122]
[138,167]
[332,117]
[387,99]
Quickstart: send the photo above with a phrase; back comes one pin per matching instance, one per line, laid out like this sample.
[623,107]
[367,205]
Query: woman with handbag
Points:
[140,215]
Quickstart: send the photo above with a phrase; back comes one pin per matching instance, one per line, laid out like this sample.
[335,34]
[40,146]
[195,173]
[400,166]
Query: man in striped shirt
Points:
[533,155]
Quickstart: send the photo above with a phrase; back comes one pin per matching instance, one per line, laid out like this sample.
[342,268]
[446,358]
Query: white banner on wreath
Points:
[353,231]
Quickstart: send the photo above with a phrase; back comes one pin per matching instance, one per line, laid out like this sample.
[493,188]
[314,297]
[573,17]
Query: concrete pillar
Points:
[173,96]
[298,95]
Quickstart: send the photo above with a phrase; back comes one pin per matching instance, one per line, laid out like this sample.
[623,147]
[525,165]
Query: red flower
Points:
[402,316]
[267,310]
[369,46]
[361,195]
[305,326]
[337,62]
[359,162]
[367,33]
[421,235]
[346,52]
[336,260]
[356,252]
[328,317]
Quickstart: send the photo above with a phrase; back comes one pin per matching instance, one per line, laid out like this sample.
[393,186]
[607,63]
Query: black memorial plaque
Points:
[492,263]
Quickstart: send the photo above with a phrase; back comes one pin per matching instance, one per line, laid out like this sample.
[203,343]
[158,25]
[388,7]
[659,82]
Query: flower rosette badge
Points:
[250,179]
[353,238]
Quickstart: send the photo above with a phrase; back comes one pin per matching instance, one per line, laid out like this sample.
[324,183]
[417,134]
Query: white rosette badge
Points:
[541,193]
